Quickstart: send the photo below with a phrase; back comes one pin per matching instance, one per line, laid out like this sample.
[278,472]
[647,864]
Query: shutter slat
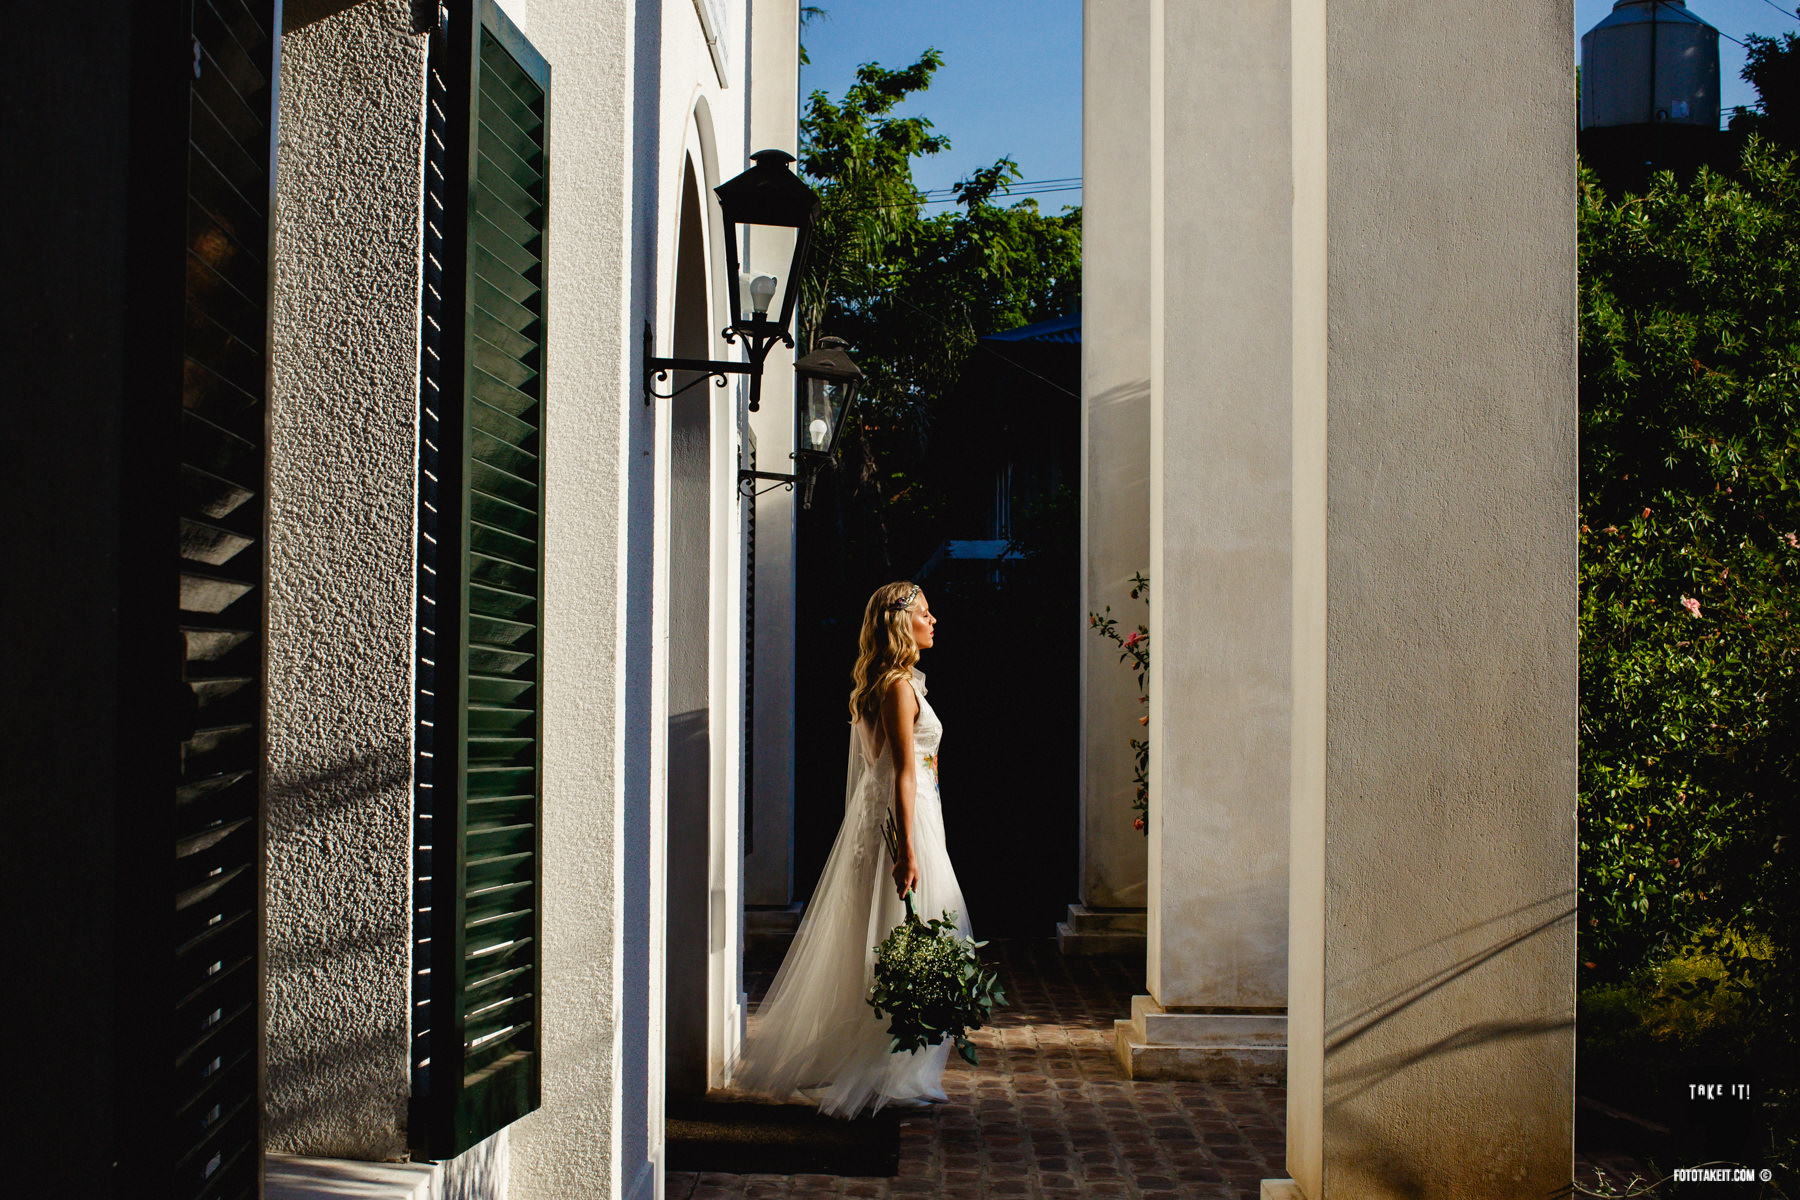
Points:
[505,339]
[500,274]
[496,305]
[222,224]
[509,122]
[520,435]
[499,159]
[518,195]
[508,367]
[224,45]
[499,242]
[498,392]
[488,717]
[494,689]
[210,138]
[212,448]
[503,454]
[500,602]
[251,23]
[527,98]
[514,220]
[501,573]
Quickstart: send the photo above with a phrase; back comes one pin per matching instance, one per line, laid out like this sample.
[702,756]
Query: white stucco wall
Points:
[628,83]
[591,1133]
[1220,568]
[341,520]
[1115,448]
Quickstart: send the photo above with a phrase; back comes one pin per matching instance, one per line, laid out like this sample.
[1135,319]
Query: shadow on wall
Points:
[359,778]
[1366,1147]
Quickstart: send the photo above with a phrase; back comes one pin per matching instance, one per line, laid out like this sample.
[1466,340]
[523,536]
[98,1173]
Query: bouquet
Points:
[929,981]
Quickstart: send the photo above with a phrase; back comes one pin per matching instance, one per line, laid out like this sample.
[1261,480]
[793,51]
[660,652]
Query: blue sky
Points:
[1011,79]
[1010,83]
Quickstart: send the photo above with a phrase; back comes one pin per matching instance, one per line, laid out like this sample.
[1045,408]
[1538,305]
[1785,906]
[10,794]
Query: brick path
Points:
[1047,1114]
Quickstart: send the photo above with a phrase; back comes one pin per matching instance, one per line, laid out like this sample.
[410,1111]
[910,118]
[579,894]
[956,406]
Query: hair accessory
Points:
[903,605]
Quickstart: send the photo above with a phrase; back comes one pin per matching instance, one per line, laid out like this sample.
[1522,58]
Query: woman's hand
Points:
[906,871]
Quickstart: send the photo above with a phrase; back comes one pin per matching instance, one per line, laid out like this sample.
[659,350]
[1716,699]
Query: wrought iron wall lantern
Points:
[825,386]
[775,212]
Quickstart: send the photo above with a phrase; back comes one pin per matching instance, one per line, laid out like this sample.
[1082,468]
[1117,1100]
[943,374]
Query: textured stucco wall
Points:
[1115,402]
[341,478]
[1220,517]
[1447,795]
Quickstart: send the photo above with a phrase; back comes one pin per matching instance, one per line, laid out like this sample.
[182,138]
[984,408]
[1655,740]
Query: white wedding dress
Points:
[814,1032]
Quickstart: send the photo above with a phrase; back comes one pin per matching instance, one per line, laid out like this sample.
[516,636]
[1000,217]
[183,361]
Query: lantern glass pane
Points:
[763,273]
[824,404]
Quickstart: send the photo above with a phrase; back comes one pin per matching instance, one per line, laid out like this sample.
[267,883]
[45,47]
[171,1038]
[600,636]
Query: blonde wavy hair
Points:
[886,650]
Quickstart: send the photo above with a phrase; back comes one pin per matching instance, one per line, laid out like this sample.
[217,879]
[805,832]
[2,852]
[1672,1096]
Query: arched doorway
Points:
[692,926]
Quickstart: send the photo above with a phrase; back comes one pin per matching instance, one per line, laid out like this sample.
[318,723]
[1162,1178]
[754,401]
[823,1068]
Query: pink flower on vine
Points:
[1692,605]
[1132,639]
[1792,539]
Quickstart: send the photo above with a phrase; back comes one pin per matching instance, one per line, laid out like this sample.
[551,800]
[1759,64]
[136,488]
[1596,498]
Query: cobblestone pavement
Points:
[1048,1115]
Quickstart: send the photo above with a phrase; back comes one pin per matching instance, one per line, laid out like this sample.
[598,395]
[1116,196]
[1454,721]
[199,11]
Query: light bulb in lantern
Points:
[817,431]
[762,290]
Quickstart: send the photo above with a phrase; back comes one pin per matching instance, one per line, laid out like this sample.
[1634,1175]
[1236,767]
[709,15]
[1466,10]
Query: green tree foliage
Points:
[1772,67]
[912,292]
[1689,556]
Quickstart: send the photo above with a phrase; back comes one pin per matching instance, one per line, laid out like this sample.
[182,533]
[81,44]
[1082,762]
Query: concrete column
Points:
[1115,391]
[1435,666]
[342,475]
[769,864]
[1220,543]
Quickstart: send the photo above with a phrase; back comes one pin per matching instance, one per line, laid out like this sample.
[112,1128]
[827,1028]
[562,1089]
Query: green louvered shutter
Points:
[217,831]
[479,795]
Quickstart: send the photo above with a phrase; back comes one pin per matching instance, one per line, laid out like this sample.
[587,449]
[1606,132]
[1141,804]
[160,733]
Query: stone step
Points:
[1245,1047]
[768,928]
[1259,1064]
[1074,941]
[1083,919]
[1102,931]
[1159,1028]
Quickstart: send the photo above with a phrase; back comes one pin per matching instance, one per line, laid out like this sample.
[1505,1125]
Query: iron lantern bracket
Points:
[746,476]
[757,343]
[808,466]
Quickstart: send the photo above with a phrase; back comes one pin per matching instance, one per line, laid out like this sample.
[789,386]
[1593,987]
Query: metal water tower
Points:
[1650,62]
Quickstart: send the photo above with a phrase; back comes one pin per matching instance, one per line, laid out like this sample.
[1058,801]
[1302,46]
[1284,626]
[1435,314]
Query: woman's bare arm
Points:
[899,711]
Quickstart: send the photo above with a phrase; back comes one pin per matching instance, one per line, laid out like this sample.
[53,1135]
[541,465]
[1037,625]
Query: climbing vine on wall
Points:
[1134,648]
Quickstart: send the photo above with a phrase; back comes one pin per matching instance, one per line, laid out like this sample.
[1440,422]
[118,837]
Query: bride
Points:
[814,1032]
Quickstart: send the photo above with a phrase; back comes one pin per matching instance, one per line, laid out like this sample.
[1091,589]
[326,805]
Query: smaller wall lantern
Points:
[825,387]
